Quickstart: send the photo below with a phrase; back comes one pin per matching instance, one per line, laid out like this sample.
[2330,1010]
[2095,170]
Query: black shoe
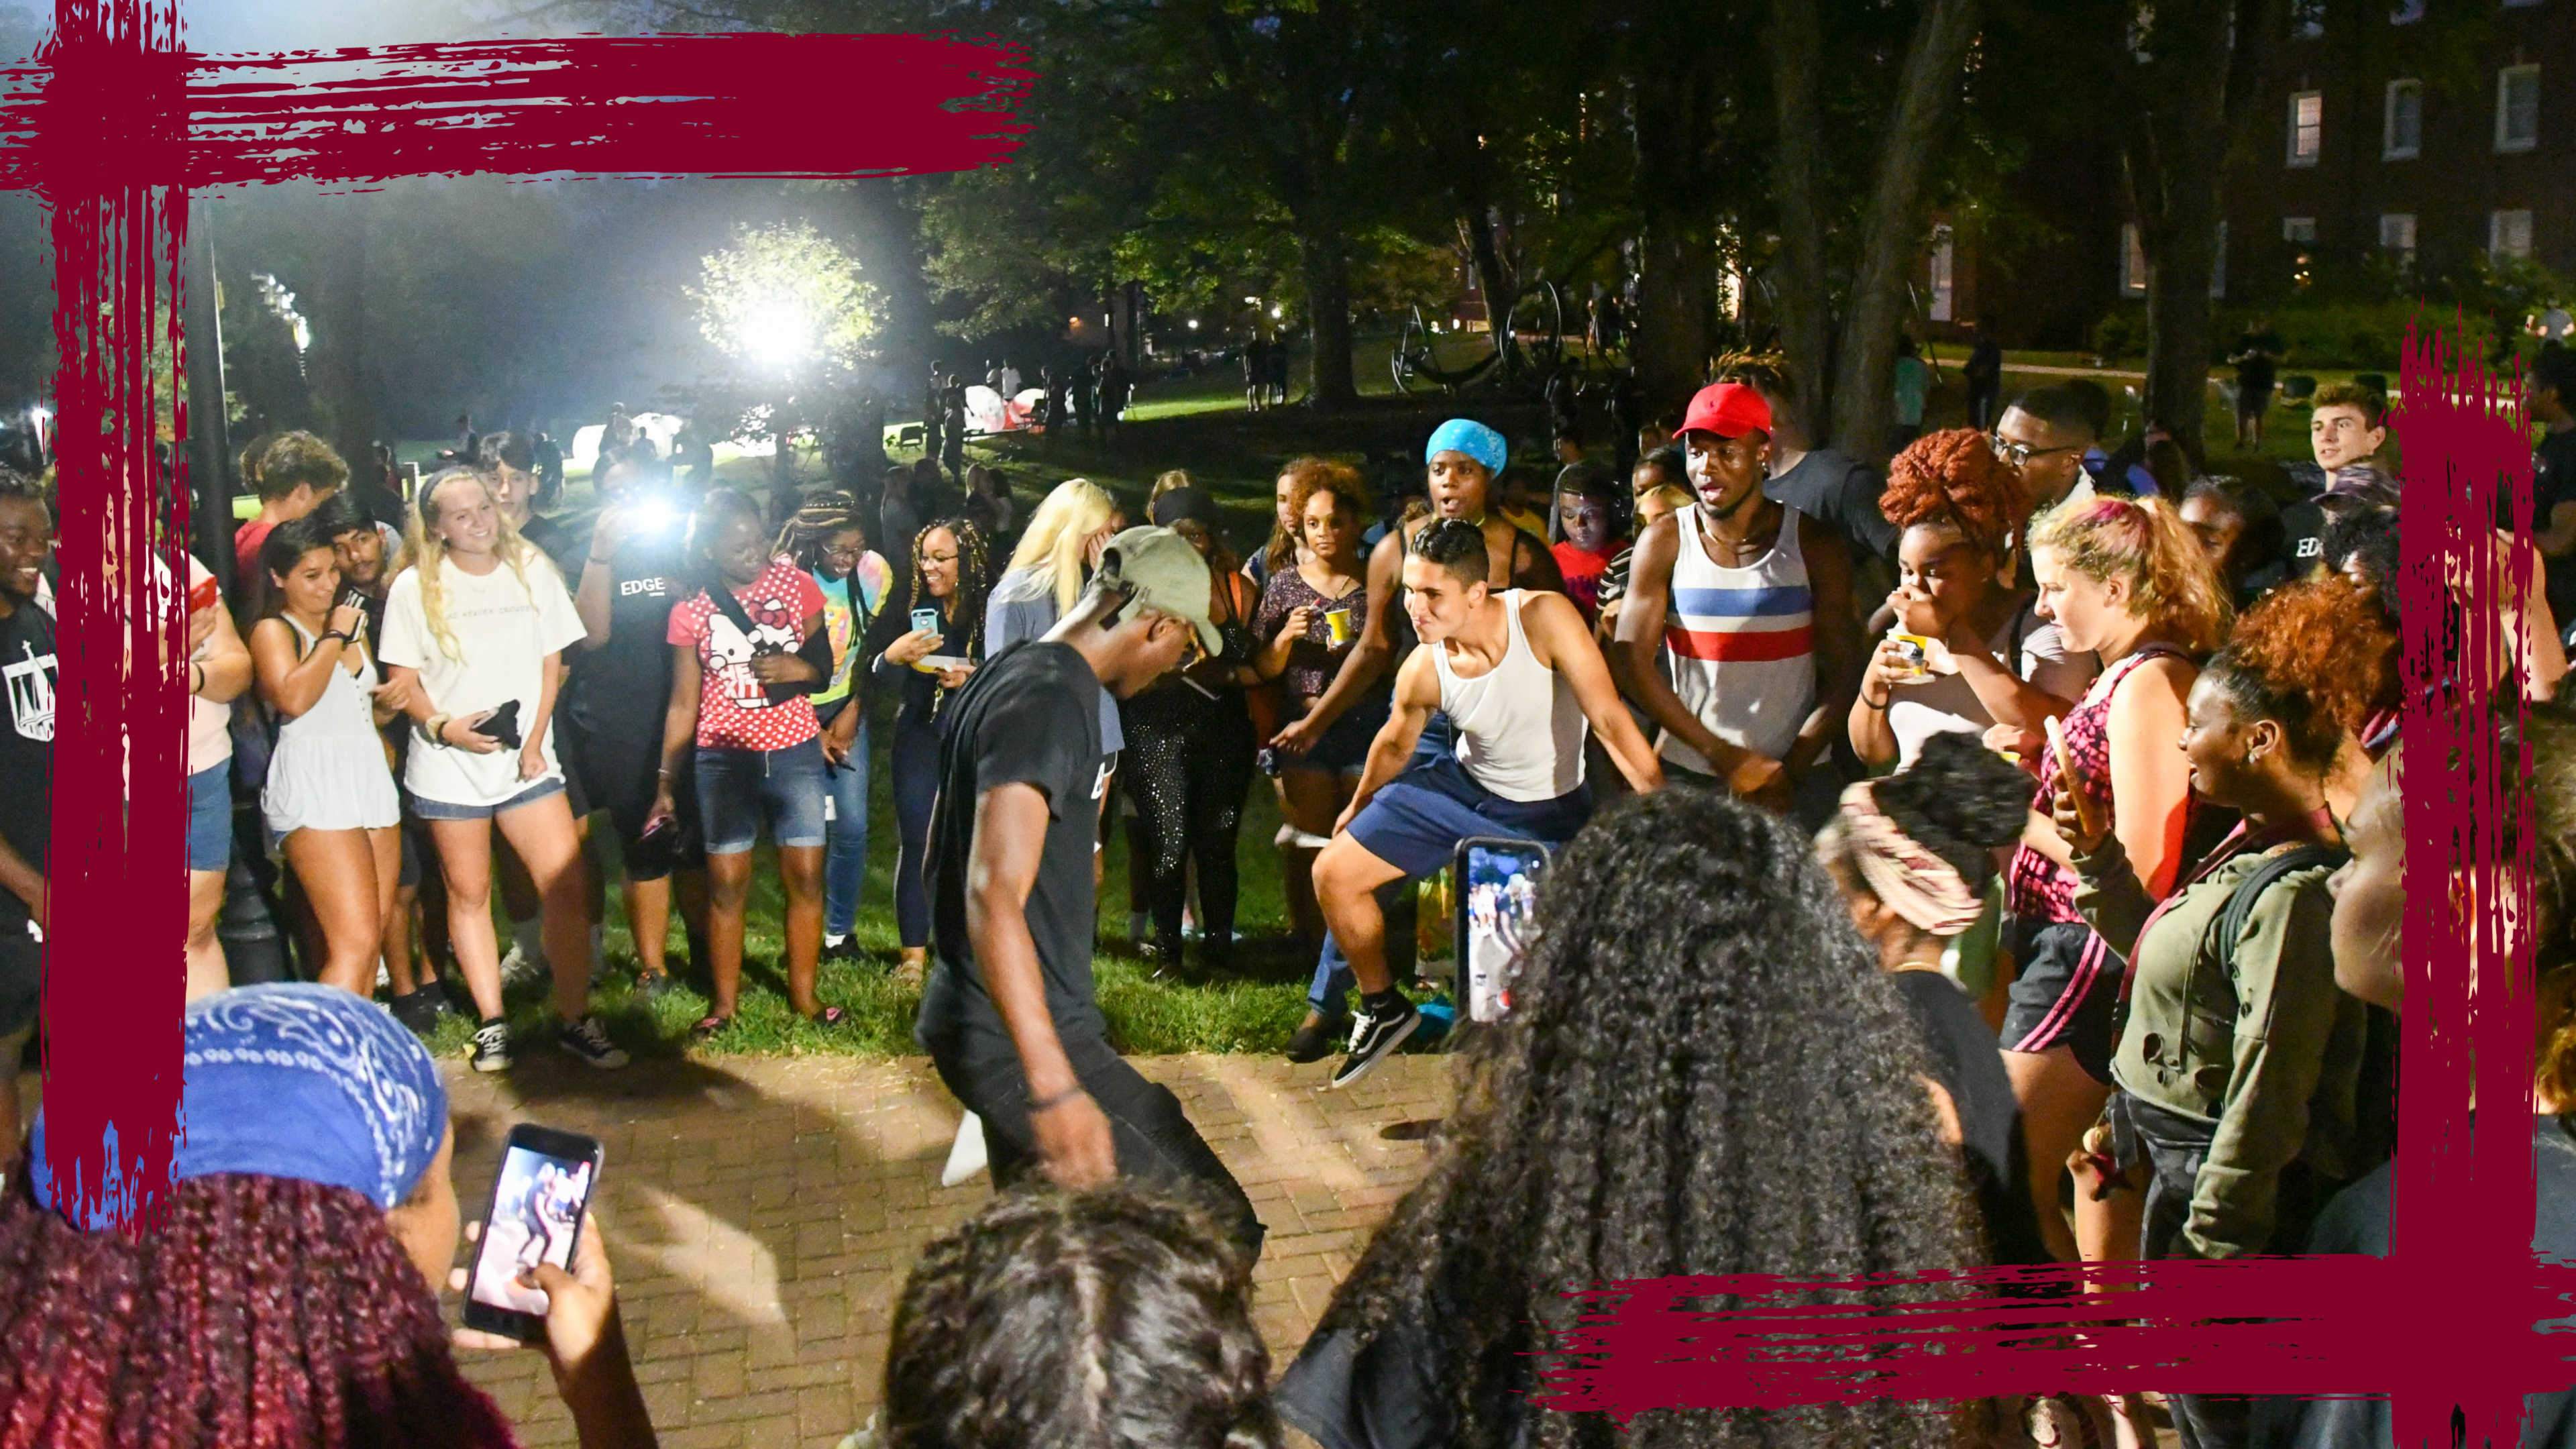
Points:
[654,985]
[845,949]
[1308,1043]
[417,1009]
[1374,1035]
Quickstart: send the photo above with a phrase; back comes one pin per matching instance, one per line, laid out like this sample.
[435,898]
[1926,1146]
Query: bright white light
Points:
[1252,301]
[776,333]
[1274,311]
[40,415]
[1194,324]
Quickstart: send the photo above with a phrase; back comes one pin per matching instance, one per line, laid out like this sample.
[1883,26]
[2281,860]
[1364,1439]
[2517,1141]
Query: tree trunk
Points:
[1498,286]
[1325,256]
[1799,294]
[1671,347]
[1864,400]
[340,337]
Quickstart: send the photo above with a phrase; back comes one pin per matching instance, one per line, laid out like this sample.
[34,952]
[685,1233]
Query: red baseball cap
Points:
[1728,409]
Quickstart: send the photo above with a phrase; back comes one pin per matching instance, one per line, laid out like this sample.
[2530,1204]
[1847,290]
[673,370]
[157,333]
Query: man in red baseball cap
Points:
[1753,602]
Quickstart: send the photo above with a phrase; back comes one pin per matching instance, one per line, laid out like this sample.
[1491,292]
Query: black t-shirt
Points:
[563,544]
[28,672]
[2258,349]
[1964,1061]
[1837,489]
[1030,716]
[622,688]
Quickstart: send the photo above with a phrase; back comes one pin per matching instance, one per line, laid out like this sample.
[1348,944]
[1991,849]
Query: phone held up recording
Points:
[544,1186]
[1497,917]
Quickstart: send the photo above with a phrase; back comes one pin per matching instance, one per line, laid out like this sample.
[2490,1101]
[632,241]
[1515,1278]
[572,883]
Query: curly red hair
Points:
[2317,655]
[262,1310]
[1953,478]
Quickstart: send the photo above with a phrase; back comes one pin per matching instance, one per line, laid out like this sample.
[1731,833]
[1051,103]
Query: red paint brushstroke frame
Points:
[126,120]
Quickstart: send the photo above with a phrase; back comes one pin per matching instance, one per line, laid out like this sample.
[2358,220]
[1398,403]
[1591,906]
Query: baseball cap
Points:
[1164,572]
[1728,409]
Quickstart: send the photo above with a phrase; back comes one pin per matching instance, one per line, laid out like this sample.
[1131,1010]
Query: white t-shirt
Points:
[505,631]
[2027,644]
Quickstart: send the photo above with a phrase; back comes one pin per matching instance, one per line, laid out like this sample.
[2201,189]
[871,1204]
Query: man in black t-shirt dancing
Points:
[1009,1015]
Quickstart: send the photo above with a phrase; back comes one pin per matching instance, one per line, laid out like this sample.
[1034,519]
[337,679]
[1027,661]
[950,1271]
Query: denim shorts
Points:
[210,818]
[428,809]
[739,790]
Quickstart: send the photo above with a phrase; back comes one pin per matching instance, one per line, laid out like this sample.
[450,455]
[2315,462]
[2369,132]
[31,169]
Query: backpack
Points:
[2232,919]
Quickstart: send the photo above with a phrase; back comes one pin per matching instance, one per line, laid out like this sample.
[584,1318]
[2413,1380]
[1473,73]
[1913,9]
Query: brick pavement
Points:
[761,1214]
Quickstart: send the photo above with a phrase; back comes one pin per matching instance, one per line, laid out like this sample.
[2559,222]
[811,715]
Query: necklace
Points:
[1916,966]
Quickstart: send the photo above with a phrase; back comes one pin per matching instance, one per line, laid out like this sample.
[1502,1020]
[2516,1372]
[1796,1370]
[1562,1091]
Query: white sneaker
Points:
[520,966]
[492,1047]
[966,1154]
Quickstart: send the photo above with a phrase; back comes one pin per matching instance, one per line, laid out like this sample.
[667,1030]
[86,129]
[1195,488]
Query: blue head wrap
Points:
[1466,435]
[302,1081]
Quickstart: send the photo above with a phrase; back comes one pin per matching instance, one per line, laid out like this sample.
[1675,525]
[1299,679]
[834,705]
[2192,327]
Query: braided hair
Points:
[974,579]
[809,527]
[262,1310]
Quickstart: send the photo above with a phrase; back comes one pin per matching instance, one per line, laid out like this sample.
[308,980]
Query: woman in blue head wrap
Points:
[1463,458]
[285,1294]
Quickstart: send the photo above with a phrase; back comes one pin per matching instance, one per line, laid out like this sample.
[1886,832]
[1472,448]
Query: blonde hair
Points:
[1672,495]
[1077,509]
[424,553]
[1170,480]
[2145,544]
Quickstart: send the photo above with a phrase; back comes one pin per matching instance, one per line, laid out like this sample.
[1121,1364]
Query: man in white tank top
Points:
[1753,602]
[1522,683]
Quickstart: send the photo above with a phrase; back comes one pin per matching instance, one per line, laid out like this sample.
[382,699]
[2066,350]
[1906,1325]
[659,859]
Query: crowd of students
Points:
[2003,802]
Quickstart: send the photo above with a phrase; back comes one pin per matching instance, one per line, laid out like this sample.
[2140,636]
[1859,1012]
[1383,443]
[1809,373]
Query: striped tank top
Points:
[1742,643]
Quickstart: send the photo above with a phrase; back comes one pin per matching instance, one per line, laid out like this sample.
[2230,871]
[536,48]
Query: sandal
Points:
[708,1028]
[829,1016]
[654,985]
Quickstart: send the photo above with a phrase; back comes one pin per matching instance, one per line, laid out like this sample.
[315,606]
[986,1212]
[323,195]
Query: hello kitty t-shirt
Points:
[734,709]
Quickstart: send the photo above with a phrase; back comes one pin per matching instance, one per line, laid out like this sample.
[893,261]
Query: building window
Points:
[2518,108]
[2307,127]
[1943,273]
[2508,234]
[2299,229]
[2402,133]
[2397,234]
[2307,20]
[2133,263]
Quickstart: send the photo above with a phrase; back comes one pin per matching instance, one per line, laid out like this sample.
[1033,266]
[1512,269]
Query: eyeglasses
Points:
[2020,454]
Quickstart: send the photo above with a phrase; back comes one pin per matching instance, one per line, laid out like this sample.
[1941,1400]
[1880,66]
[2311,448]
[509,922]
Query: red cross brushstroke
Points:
[119,123]
[126,119]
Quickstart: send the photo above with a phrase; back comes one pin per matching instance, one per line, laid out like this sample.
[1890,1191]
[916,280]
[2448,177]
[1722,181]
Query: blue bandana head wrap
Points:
[303,1081]
[1466,435]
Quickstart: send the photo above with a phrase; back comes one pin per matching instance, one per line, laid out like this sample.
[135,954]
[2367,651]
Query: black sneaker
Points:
[844,949]
[587,1040]
[417,1010]
[1308,1043]
[1375,1034]
[492,1047]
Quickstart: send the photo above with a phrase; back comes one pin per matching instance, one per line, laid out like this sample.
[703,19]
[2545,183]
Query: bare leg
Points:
[2059,1099]
[648,915]
[338,871]
[206,971]
[800,874]
[465,869]
[1346,880]
[728,898]
[543,836]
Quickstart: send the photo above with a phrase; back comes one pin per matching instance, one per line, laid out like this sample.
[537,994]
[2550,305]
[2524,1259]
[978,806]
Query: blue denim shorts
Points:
[740,790]
[210,818]
[428,809]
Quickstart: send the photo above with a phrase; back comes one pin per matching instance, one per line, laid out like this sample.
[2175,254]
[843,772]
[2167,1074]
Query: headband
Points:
[1466,435]
[297,1080]
[1914,882]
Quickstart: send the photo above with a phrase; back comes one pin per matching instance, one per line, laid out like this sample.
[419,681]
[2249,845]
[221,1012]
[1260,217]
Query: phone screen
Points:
[1499,903]
[536,1209]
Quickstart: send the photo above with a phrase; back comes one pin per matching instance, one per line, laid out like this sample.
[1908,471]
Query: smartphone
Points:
[204,594]
[1497,913]
[544,1186]
[925,621]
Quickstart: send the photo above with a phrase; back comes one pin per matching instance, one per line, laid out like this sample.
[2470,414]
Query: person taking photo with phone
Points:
[329,802]
[746,650]
[475,630]
[1010,1015]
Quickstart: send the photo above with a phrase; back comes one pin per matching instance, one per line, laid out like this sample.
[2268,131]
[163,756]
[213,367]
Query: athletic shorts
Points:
[210,818]
[2253,402]
[1415,821]
[2068,993]
[741,790]
[428,809]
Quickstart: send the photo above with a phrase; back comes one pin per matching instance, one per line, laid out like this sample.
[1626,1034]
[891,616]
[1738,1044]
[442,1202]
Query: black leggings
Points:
[1187,765]
[915,764]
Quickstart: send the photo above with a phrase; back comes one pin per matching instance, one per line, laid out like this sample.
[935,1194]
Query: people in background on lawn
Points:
[924,666]
[329,801]
[1586,532]
[475,629]
[826,540]
[748,649]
